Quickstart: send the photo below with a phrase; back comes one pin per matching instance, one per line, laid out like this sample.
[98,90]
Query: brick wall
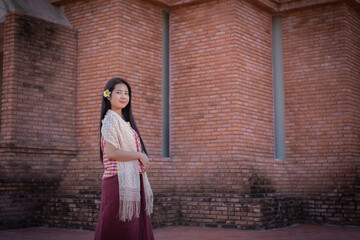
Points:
[223,150]
[320,97]
[124,39]
[222,171]
[222,113]
[38,132]
[202,89]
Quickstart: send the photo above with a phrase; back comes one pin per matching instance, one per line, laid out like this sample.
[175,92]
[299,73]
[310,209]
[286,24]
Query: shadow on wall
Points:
[22,202]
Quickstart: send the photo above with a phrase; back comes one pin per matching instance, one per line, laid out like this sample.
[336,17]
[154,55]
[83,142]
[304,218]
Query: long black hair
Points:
[126,111]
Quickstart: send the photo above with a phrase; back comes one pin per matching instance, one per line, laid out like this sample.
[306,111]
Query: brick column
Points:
[38,115]
[321,56]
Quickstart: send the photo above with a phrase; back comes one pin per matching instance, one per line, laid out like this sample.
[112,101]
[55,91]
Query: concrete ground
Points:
[303,232]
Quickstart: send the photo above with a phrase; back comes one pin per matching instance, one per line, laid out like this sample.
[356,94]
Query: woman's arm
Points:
[124,156]
[119,155]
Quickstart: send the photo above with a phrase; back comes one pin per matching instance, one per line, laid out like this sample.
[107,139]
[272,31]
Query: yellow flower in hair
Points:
[107,93]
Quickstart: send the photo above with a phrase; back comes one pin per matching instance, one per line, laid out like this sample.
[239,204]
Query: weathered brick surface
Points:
[222,117]
[202,89]
[321,92]
[240,211]
[38,131]
[115,38]
[222,171]
[320,136]
[215,130]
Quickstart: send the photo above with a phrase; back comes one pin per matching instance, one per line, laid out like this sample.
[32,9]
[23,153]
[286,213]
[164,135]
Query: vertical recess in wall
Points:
[278,76]
[165,85]
[1,61]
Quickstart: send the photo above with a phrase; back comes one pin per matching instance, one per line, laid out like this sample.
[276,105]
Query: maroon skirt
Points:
[109,226]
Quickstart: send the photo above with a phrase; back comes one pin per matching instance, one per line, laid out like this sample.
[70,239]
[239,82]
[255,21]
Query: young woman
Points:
[127,198]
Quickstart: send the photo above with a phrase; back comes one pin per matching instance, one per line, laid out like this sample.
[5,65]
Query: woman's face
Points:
[119,97]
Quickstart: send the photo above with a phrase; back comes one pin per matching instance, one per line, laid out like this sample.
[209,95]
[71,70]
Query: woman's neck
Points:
[119,112]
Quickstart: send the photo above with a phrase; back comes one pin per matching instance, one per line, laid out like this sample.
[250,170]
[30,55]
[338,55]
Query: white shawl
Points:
[117,132]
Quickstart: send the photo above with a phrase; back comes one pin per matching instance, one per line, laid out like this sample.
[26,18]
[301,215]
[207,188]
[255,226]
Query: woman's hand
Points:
[144,161]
